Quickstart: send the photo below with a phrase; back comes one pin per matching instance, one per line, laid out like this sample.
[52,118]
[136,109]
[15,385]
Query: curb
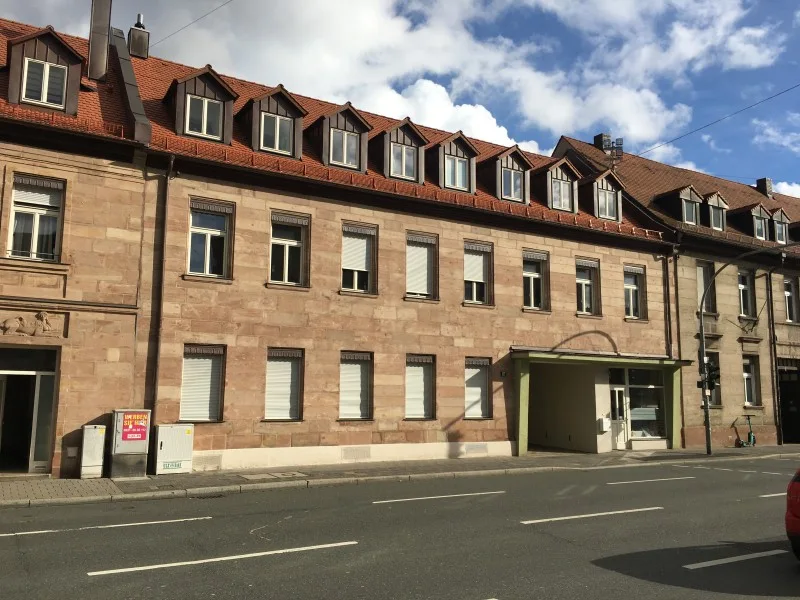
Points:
[225,490]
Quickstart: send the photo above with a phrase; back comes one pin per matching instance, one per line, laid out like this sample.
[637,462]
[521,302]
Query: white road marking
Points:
[772,495]
[203,561]
[721,469]
[702,467]
[601,514]
[589,490]
[565,490]
[743,471]
[436,497]
[648,480]
[733,559]
[682,466]
[115,526]
[771,473]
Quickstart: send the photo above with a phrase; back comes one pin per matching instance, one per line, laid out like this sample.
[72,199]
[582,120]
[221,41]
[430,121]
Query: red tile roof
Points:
[103,111]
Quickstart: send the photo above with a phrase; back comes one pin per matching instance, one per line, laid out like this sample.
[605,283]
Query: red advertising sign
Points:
[134,426]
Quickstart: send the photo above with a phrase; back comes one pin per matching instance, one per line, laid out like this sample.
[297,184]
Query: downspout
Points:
[165,211]
[675,257]
[773,359]
[667,305]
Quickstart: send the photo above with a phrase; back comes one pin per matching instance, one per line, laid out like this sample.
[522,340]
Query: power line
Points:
[200,18]
[728,116]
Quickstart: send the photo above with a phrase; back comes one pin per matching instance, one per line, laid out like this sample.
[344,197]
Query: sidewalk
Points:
[21,492]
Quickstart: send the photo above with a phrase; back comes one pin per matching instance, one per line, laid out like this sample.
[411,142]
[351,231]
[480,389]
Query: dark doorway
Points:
[16,410]
[789,383]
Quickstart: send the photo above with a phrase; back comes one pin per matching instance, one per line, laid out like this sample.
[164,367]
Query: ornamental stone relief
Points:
[32,325]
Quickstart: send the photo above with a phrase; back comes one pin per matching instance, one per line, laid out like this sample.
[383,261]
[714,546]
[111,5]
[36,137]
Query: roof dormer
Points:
[780,226]
[509,174]
[275,123]
[683,204]
[342,134]
[202,103]
[558,184]
[452,161]
[601,195]
[401,152]
[44,72]
[715,214]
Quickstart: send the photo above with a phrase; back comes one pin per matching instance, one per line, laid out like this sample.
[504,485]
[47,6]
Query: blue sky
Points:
[510,71]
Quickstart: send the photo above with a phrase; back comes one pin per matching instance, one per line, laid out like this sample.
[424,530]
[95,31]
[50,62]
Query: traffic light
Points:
[712,375]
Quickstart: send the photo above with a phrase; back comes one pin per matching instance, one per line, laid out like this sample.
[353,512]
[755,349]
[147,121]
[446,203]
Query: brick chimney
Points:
[602,141]
[764,185]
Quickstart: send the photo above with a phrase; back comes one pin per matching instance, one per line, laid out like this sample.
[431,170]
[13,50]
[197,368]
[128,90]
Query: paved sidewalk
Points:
[42,491]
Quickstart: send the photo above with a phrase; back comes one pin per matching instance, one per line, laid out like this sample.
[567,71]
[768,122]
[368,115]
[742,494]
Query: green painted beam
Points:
[522,380]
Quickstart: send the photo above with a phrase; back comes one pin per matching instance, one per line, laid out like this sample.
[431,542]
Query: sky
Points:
[511,71]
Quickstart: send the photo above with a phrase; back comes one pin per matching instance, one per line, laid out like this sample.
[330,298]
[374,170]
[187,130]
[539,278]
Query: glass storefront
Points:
[645,389]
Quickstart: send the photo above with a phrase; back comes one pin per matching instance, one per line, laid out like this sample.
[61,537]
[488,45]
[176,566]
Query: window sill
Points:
[179,422]
[478,305]
[206,279]
[747,319]
[536,311]
[421,299]
[581,315]
[343,166]
[369,420]
[753,407]
[357,294]
[713,406]
[792,323]
[713,315]
[203,136]
[22,262]
[281,420]
[287,286]
[636,320]
[477,419]
[417,419]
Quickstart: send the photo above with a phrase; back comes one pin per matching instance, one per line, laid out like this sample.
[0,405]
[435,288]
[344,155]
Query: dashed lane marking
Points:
[114,526]
[733,559]
[437,497]
[648,480]
[590,515]
[773,495]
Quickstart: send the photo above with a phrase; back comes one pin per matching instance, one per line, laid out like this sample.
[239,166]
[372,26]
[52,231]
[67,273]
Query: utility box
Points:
[93,451]
[173,448]
[129,443]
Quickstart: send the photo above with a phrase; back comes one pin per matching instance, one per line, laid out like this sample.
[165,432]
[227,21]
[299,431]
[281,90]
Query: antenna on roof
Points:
[615,152]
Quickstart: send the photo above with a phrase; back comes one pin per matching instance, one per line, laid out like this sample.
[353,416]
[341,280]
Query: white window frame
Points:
[718,210]
[296,357]
[209,233]
[36,212]
[362,359]
[633,290]
[563,184]
[371,235]
[427,364]
[689,209]
[45,81]
[781,232]
[763,223]
[529,279]
[589,283]
[206,102]
[278,120]
[345,134]
[746,291]
[456,160]
[750,373]
[431,247]
[213,356]
[473,284]
[790,297]
[277,241]
[484,366]
[607,199]
[403,160]
[705,272]
[514,174]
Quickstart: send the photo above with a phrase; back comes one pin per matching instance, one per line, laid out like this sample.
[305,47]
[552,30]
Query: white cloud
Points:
[796,22]
[672,155]
[790,189]
[711,143]
[772,134]
[754,47]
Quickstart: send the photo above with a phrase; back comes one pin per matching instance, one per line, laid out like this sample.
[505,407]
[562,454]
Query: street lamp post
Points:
[702,367]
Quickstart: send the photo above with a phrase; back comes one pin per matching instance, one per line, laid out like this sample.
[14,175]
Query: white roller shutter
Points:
[419,390]
[356,251]
[283,388]
[419,268]
[475,266]
[38,196]
[476,391]
[201,388]
[354,386]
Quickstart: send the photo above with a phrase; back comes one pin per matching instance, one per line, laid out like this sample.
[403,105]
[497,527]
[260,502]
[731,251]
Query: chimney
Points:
[99,38]
[764,185]
[602,141]
[139,39]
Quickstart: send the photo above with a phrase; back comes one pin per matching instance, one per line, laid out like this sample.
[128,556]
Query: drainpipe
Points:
[773,359]
[667,305]
[675,257]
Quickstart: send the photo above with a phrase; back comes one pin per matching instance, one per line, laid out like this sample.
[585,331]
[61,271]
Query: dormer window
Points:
[44,83]
[781,232]
[717,218]
[607,204]
[562,191]
[455,172]
[760,228]
[404,161]
[344,148]
[276,133]
[689,212]
[203,117]
[512,185]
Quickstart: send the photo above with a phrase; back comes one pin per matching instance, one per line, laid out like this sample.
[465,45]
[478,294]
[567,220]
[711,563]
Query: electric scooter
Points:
[751,437]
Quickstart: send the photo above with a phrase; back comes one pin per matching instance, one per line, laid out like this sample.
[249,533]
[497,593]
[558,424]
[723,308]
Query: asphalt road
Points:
[507,539]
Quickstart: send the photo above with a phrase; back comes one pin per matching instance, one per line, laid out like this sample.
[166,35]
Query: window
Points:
[208,244]
[421,265]
[345,148]
[477,261]
[634,292]
[717,218]
[44,83]
[534,275]
[790,293]
[284,383]
[358,258]
[586,283]
[512,185]
[746,295]
[288,263]
[404,161]
[606,204]
[202,383]
[561,190]
[355,385]
[476,388]
[35,218]
[760,226]
[690,212]
[752,396]
[781,232]
[276,133]
[716,394]
[455,172]
[420,383]
[646,396]
[705,273]
[204,117]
